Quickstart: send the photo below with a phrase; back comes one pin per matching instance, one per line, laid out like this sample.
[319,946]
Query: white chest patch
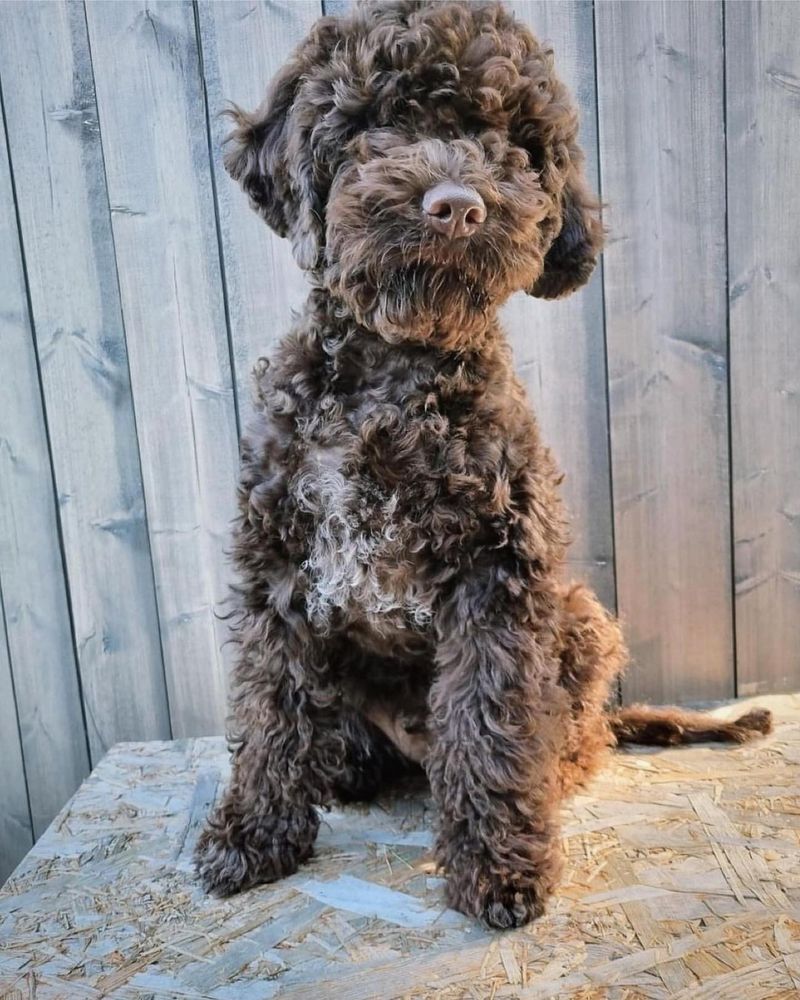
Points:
[359,559]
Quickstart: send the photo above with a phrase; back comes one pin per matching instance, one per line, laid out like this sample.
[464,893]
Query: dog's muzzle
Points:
[453,210]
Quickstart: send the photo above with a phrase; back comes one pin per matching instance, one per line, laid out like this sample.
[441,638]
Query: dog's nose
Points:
[453,209]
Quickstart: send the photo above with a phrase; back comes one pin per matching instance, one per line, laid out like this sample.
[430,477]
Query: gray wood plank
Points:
[763,127]
[16,828]
[560,346]
[56,156]
[153,123]
[31,567]
[243,45]
[660,81]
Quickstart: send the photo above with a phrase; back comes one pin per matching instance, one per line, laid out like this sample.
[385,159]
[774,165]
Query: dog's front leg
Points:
[497,716]
[290,749]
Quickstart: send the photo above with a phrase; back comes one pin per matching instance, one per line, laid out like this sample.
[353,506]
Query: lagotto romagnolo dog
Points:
[400,535]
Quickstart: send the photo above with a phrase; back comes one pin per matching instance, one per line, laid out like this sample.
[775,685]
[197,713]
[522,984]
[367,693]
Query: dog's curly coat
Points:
[400,532]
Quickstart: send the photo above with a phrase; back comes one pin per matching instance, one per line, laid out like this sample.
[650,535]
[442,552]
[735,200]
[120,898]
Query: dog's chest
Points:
[361,566]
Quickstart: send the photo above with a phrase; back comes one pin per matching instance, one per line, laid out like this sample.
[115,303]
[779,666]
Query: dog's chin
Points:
[446,307]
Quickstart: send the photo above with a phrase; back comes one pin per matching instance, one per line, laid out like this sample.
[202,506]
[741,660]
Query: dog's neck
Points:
[360,355]
[483,335]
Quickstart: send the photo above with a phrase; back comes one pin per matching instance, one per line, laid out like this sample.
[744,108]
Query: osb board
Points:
[683,881]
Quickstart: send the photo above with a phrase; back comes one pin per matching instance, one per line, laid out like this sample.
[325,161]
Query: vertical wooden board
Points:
[243,46]
[660,88]
[31,567]
[16,830]
[153,123]
[559,346]
[763,127]
[56,157]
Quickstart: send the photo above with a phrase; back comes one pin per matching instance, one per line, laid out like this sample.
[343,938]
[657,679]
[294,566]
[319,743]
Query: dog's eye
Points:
[525,135]
[534,156]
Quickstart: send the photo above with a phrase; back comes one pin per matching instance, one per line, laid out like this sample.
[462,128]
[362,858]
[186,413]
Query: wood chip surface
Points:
[683,880]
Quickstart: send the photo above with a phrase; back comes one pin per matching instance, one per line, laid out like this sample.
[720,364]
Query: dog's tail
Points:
[673,726]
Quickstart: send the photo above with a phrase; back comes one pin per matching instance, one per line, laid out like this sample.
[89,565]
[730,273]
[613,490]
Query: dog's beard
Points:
[442,305]
[447,302]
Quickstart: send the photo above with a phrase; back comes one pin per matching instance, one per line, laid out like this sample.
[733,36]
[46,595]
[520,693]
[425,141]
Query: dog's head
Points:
[423,159]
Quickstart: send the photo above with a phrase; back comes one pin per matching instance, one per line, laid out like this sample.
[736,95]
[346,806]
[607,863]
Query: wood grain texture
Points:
[243,46]
[660,80]
[16,827]
[147,69]
[31,567]
[559,346]
[763,118]
[56,156]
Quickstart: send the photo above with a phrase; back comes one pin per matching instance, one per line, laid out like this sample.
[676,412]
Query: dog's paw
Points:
[232,855]
[355,784]
[222,866]
[503,909]
[498,902]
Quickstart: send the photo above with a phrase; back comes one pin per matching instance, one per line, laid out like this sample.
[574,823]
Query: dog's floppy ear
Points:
[572,256]
[256,154]
[269,154]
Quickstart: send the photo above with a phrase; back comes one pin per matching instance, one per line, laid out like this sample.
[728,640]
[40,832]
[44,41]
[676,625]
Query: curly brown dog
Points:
[400,534]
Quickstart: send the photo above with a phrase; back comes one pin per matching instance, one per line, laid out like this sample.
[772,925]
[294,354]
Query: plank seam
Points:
[729,381]
[217,224]
[605,331]
[16,715]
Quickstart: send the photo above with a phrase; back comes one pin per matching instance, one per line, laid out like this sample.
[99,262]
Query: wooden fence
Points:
[136,289]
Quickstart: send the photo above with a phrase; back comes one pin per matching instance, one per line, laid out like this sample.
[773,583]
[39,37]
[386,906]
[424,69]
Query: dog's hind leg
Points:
[592,654]
[674,726]
[372,763]
[383,719]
